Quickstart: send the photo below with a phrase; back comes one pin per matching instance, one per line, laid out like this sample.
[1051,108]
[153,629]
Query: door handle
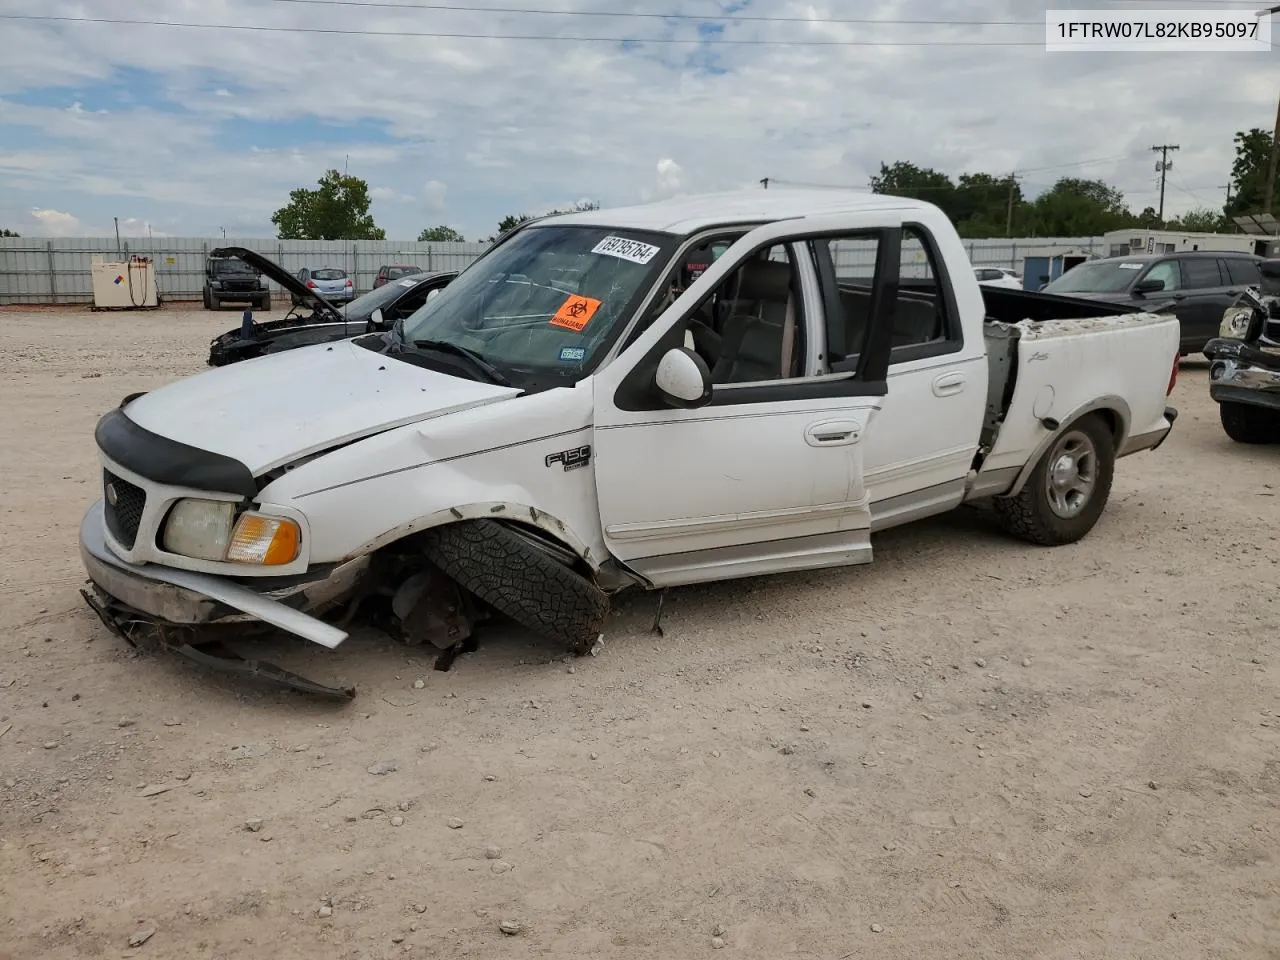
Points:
[833,433]
[948,384]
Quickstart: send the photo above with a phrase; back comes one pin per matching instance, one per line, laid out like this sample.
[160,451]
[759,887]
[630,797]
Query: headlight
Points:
[209,530]
[1238,323]
[200,529]
[215,284]
[262,283]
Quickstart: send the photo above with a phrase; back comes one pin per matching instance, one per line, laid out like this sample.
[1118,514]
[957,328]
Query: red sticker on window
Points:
[575,313]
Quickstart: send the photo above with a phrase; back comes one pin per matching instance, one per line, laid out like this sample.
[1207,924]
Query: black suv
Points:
[1195,286]
[231,280]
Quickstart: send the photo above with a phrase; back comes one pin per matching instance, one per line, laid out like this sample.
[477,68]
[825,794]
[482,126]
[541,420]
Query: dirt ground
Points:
[971,748]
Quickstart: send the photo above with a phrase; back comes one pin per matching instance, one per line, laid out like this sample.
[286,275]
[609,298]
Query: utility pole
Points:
[1163,166]
[1273,165]
[116,220]
[1270,188]
[1008,219]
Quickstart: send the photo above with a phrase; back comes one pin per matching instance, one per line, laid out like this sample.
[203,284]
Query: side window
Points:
[752,327]
[925,321]
[688,268]
[1201,272]
[1166,271]
[1244,272]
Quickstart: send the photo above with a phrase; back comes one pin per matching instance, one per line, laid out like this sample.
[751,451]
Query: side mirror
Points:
[1149,285]
[683,378]
[376,319]
[433,293]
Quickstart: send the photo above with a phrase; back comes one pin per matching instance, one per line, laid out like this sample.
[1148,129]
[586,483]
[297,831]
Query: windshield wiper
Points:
[492,373]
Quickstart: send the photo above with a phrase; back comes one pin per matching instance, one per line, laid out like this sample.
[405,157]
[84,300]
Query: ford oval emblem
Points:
[112,496]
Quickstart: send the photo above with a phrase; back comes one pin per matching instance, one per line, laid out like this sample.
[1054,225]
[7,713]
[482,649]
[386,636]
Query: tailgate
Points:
[1061,369]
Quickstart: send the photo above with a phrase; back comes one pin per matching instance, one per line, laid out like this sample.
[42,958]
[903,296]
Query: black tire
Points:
[1249,424]
[204,295]
[264,302]
[516,578]
[1053,514]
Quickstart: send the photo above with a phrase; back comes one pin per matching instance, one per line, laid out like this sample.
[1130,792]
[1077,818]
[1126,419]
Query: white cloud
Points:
[516,126]
[56,223]
[435,193]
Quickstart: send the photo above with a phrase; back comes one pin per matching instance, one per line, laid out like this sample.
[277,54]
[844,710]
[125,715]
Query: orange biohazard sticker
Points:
[575,313]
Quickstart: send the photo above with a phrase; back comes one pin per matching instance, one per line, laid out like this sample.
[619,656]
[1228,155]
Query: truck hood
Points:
[272,410]
[281,276]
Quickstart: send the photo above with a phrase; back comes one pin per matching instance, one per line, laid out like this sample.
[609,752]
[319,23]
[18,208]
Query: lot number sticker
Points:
[575,313]
[625,249]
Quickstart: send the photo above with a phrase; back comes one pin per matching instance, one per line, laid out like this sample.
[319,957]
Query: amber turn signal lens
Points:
[270,541]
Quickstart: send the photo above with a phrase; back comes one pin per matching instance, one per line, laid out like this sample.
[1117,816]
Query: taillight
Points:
[1173,377]
[349,283]
[311,284]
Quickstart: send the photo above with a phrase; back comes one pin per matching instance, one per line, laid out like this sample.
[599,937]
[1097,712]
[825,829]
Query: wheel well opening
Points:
[1113,422]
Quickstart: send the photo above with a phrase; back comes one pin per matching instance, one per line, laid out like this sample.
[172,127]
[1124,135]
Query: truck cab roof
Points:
[689,214]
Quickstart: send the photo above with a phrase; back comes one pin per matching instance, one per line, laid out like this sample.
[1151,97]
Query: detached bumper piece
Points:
[124,622]
[133,600]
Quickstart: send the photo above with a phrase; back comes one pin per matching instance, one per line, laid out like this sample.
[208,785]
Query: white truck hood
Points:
[274,409]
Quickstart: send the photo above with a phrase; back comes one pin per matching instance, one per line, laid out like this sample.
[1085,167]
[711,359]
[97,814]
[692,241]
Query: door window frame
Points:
[868,379]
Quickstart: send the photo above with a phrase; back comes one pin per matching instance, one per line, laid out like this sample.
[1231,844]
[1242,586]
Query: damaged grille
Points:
[123,507]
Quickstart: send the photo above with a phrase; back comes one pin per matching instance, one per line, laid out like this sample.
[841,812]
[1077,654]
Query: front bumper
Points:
[1243,373]
[186,598]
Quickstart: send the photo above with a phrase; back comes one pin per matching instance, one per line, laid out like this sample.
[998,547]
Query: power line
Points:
[439,35]
[710,18]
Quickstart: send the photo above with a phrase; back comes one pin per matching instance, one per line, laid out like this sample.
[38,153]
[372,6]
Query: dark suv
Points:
[1195,286]
[231,280]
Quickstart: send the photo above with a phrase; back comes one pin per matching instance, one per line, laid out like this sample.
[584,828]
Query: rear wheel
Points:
[1067,490]
[1245,423]
[528,584]
[264,302]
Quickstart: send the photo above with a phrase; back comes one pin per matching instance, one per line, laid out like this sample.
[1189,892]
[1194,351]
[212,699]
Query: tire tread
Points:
[517,579]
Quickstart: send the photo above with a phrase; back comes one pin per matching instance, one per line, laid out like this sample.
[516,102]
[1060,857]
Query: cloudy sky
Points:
[466,113]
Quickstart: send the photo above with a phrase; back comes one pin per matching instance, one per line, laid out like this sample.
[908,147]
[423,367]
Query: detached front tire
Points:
[1244,423]
[518,579]
[1068,487]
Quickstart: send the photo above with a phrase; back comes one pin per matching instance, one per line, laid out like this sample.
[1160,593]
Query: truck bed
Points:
[1051,359]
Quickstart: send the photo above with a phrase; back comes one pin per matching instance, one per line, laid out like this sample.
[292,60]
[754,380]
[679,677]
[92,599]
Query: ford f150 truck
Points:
[580,412]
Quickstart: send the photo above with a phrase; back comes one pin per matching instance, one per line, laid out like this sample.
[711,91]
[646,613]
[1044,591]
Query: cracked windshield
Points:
[549,300]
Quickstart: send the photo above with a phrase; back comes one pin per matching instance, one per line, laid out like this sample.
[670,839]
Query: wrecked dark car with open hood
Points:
[317,320]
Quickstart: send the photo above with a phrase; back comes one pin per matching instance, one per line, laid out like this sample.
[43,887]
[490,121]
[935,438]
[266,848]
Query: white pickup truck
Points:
[700,389]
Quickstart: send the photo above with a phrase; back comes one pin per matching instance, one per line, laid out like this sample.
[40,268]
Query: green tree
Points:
[1202,220]
[1148,219]
[440,234]
[1249,172]
[6,232]
[1073,207]
[981,204]
[337,210]
[905,179]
